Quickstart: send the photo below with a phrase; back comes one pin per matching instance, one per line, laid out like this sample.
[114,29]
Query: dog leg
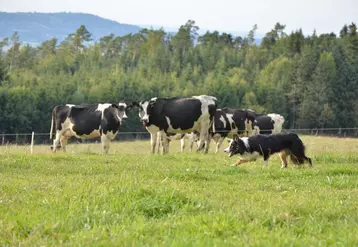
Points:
[266,158]
[265,163]
[239,162]
[283,156]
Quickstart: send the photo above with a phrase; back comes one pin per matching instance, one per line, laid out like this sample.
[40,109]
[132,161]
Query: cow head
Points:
[147,109]
[121,111]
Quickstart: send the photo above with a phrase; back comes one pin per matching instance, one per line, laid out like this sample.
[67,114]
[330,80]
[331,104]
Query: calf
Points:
[87,122]
[178,115]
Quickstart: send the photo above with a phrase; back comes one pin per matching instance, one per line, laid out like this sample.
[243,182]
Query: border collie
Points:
[253,147]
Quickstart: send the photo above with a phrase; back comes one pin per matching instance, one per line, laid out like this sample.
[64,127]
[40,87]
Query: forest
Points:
[312,80]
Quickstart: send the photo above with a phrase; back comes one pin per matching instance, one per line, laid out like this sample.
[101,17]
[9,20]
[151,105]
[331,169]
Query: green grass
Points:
[131,198]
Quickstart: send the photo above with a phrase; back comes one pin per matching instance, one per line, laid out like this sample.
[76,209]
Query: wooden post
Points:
[3,138]
[32,142]
[17,138]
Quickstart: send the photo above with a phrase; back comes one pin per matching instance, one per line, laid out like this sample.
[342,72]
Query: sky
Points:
[224,15]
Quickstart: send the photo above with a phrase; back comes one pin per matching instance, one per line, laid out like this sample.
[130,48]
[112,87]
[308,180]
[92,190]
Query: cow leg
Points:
[56,142]
[205,138]
[182,143]
[64,141]
[160,142]
[105,143]
[218,144]
[191,141]
[153,141]
[207,143]
[165,142]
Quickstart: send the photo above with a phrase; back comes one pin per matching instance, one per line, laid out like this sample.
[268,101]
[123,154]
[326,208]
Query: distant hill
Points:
[35,27]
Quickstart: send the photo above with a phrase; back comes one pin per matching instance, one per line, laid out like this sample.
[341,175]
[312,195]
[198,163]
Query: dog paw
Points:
[233,165]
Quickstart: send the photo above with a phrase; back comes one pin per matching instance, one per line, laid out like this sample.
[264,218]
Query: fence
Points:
[44,138]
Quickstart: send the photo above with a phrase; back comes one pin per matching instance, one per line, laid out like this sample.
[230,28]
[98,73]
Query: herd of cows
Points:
[165,119]
[252,135]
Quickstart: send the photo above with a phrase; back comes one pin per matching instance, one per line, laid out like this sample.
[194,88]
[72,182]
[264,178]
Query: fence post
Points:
[17,138]
[32,142]
[3,138]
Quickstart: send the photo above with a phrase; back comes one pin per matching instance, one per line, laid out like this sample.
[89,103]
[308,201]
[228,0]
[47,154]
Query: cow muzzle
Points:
[144,121]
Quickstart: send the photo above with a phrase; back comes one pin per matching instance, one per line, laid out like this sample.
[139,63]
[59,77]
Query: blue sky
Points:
[225,15]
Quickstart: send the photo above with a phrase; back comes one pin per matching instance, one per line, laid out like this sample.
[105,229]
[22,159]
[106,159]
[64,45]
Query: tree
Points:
[316,108]
[12,55]
[4,76]
[79,37]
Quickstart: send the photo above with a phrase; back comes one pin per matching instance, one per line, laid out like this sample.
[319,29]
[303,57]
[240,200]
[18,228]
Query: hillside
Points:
[37,27]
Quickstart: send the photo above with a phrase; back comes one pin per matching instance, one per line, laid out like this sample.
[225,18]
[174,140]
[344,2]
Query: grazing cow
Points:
[178,115]
[87,122]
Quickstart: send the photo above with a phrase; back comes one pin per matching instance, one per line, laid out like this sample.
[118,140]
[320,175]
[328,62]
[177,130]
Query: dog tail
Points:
[297,152]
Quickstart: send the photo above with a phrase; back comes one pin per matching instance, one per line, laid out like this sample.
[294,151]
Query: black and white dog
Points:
[253,147]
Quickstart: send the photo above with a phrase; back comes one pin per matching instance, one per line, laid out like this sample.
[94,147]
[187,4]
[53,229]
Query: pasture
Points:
[131,198]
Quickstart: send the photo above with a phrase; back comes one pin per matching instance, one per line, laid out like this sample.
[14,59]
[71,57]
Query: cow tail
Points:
[52,120]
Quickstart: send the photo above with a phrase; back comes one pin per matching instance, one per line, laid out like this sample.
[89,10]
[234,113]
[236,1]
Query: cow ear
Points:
[133,104]
[115,106]
[129,106]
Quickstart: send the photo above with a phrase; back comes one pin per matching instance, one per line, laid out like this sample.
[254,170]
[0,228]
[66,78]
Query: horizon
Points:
[228,16]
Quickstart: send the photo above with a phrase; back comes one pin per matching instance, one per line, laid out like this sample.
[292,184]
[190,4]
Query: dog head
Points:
[236,146]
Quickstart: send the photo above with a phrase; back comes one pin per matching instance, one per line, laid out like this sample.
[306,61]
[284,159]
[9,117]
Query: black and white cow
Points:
[267,124]
[87,122]
[230,122]
[178,115]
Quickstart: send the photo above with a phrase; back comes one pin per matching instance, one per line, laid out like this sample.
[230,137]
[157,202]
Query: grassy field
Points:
[131,198]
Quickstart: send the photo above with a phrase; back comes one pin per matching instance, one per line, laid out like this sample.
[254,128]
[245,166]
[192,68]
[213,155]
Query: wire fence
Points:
[44,138]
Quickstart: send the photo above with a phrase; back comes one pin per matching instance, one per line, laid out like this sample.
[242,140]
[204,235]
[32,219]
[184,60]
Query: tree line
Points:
[311,80]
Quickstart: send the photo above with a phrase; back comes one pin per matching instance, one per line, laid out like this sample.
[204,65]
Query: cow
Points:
[178,115]
[267,123]
[87,122]
[231,122]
